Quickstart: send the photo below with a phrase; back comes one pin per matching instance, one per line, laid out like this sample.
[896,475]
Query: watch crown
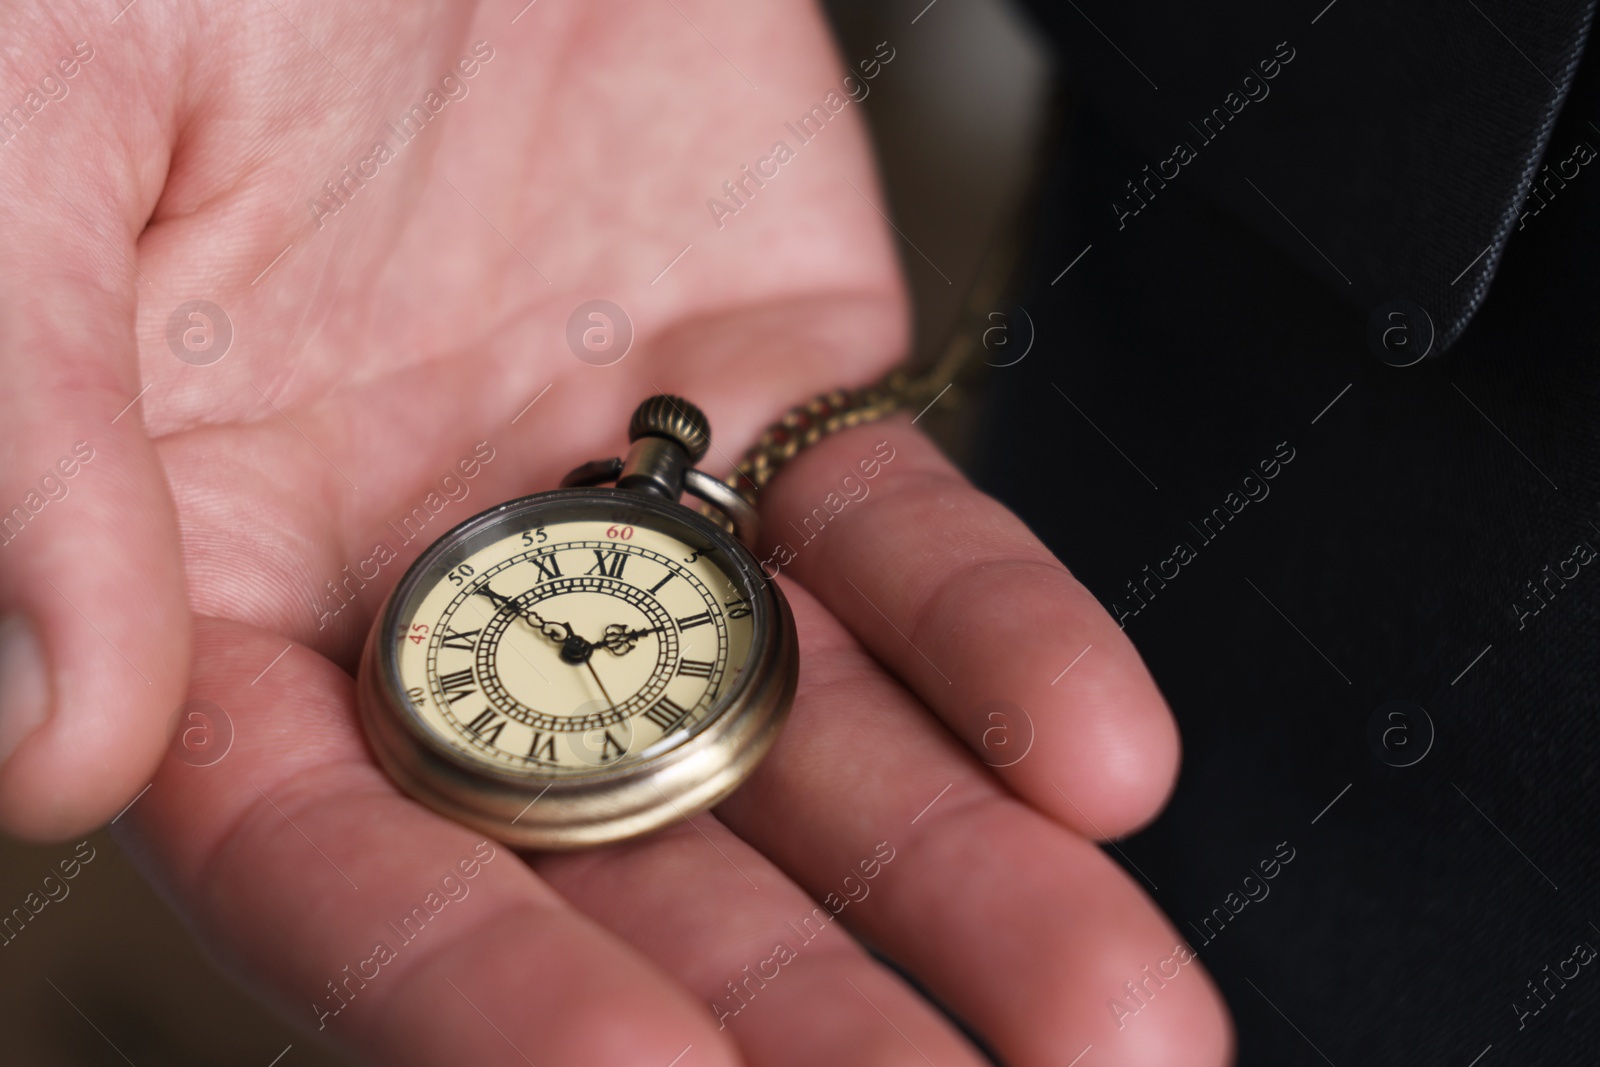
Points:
[675,419]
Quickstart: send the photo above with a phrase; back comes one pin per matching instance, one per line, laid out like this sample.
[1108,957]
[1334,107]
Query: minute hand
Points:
[555,631]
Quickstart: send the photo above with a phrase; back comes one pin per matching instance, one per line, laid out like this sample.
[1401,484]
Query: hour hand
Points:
[618,639]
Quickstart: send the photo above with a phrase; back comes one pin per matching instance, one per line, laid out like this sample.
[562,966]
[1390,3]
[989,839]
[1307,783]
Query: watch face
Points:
[574,634]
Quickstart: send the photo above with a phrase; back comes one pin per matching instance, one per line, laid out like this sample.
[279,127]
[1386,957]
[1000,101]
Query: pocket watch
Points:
[590,663]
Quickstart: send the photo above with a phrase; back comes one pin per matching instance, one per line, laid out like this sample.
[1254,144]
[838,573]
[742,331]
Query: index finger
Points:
[955,595]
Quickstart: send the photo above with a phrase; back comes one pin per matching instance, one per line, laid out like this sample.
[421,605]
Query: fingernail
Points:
[24,687]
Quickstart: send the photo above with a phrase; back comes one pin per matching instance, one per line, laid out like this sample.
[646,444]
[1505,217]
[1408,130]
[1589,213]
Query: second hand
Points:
[596,676]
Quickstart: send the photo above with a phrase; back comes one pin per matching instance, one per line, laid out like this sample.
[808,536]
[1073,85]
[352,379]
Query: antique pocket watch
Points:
[585,664]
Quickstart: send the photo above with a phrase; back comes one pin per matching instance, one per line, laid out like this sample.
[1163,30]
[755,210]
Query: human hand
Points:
[374,346]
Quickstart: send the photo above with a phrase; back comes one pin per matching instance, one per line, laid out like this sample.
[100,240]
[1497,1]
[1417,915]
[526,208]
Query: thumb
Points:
[94,629]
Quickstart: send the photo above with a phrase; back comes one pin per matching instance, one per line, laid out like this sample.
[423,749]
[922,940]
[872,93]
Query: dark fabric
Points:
[1378,563]
[1400,138]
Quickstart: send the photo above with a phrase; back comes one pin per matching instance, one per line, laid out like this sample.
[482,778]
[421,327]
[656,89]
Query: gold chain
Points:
[805,424]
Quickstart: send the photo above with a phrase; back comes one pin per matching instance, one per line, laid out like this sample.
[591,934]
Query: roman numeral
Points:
[487,725]
[657,587]
[543,747]
[609,564]
[691,621]
[609,749]
[666,714]
[548,568]
[694,668]
[457,685]
[462,641]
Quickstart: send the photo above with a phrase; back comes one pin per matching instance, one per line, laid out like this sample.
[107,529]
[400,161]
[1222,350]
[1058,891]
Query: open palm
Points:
[392,328]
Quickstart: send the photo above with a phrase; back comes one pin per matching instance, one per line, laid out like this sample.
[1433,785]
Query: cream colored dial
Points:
[574,648]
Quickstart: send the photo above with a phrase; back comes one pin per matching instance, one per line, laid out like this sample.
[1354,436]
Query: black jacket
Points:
[1387,654]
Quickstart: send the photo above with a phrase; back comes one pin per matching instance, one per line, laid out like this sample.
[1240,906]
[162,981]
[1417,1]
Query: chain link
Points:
[805,424]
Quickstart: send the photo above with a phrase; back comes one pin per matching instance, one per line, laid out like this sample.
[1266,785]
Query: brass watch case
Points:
[529,810]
